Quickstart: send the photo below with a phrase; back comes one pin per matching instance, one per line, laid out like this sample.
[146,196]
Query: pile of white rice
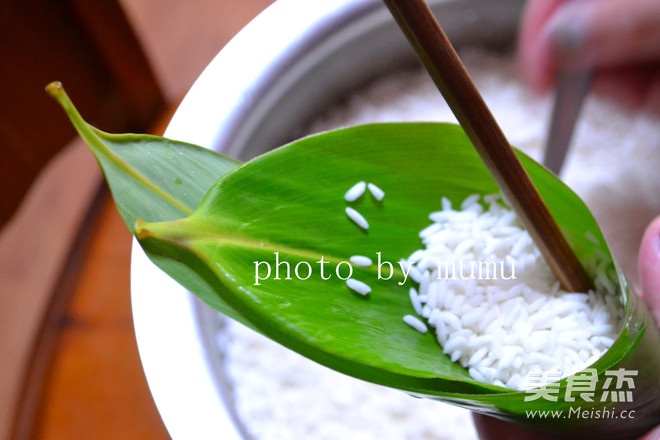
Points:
[496,307]
[280,395]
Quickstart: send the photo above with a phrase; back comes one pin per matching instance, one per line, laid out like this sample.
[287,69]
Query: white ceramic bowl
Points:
[290,63]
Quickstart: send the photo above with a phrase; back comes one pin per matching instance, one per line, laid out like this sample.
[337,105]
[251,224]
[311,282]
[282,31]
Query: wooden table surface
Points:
[93,384]
[96,387]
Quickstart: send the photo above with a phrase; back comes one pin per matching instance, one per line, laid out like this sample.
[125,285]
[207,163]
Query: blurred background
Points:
[69,366]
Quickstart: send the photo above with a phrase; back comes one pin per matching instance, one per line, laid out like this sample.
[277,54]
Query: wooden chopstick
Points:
[448,72]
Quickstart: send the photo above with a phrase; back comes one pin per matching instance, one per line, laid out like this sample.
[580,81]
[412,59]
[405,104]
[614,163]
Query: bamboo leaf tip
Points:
[54,89]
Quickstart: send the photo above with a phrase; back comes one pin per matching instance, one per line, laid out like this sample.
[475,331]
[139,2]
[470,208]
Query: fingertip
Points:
[535,58]
[649,266]
[652,435]
[536,66]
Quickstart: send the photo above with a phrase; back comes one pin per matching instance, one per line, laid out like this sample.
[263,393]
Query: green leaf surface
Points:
[286,209]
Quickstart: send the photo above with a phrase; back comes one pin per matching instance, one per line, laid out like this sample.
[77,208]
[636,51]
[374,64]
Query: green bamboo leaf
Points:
[287,208]
[155,179]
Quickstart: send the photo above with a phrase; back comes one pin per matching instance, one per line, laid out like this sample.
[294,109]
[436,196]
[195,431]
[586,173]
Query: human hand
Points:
[490,428]
[619,39]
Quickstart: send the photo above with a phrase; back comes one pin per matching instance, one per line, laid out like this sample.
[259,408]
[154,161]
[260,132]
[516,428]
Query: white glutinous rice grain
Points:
[501,312]
[376,192]
[621,192]
[355,192]
[358,286]
[357,218]
[361,260]
[415,300]
[415,323]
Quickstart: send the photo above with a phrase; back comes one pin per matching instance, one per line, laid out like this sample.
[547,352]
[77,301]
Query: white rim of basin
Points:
[174,359]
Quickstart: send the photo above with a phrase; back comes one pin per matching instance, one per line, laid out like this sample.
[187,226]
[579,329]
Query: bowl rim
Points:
[166,324]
